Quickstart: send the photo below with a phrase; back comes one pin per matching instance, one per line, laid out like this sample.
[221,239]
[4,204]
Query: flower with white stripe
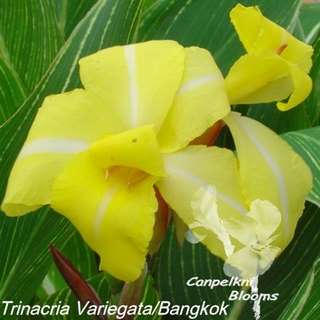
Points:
[95,154]
[263,166]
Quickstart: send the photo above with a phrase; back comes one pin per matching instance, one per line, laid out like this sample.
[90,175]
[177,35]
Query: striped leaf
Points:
[29,40]
[150,297]
[70,12]
[305,304]
[309,23]
[12,92]
[24,251]
[307,144]
[109,22]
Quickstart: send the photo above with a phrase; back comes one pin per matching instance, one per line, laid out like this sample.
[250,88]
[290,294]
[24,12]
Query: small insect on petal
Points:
[82,290]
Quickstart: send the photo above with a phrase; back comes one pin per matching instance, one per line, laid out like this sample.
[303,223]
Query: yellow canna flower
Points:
[275,66]
[95,154]
[265,173]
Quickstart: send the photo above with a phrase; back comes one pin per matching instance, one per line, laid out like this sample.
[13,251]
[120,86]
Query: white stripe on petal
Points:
[130,55]
[53,145]
[277,173]
[102,208]
[198,82]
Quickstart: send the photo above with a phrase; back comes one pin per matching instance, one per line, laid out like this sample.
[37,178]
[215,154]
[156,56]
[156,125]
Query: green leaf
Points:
[30,38]
[312,104]
[305,304]
[12,92]
[307,144]
[206,24]
[309,21]
[108,23]
[70,12]
[24,252]
[150,297]
[177,265]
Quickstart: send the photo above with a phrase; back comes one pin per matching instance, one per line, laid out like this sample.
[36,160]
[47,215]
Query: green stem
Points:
[237,307]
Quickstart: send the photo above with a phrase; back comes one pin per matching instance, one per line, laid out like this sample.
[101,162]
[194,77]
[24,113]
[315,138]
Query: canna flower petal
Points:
[214,167]
[276,64]
[267,167]
[275,80]
[138,82]
[114,217]
[270,73]
[129,149]
[200,102]
[302,86]
[64,126]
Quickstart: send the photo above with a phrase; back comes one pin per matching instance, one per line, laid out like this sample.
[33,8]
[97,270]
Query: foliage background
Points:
[41,42]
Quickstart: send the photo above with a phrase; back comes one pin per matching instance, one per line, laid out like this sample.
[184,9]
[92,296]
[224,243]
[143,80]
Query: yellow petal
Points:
[200,101]
[136,82]
[30,182]
[270,170]
[258,79]
[260,35]
[193,168]
[115,218]
[136,148]
[302,85]
[262,79]
[64,126]
[77,114]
